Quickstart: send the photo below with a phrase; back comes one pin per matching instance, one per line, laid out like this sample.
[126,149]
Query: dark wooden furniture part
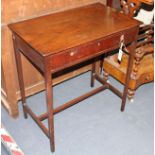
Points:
[143,68]
[20,10]
[61,40]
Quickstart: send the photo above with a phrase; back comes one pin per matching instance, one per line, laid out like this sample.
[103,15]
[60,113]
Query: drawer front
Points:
[87,51]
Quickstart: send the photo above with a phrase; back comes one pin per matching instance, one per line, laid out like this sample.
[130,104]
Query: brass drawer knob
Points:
[72,53]
[98,44]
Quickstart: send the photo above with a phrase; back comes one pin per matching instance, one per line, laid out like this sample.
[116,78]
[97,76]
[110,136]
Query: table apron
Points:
[30,53]
[87,51]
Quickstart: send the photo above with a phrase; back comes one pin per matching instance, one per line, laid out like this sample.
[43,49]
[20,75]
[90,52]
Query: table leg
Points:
[128,74]
[93,73]
[101,62]
[20,76]
[49,100]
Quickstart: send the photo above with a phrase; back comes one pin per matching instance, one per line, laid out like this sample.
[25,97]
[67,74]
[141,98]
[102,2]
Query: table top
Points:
[57,32]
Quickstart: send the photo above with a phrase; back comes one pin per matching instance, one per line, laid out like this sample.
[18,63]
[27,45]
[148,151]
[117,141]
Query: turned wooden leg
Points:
[105,76]
[20,76]
[138,56]
[49,101]
[131,94]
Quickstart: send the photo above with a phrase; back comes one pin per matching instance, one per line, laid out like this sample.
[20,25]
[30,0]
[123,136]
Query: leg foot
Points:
[131,94]
[108,81]
[24,111]
[131,100]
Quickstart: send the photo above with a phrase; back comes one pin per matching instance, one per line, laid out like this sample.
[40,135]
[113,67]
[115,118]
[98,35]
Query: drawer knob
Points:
[72,53]
[98,44]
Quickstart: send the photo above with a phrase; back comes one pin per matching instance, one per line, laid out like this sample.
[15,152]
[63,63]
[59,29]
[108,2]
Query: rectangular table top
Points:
[57,32]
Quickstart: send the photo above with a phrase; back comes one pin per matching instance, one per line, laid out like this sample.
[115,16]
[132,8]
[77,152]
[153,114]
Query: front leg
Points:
[49,101]
[20,75]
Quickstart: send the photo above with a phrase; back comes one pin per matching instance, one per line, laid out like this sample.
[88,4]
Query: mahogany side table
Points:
[60,40]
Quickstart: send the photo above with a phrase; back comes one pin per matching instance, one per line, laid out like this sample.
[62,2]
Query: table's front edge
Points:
[89,50]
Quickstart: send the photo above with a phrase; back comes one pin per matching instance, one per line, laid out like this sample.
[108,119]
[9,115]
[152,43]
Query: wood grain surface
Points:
[46,34]
[19,10]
